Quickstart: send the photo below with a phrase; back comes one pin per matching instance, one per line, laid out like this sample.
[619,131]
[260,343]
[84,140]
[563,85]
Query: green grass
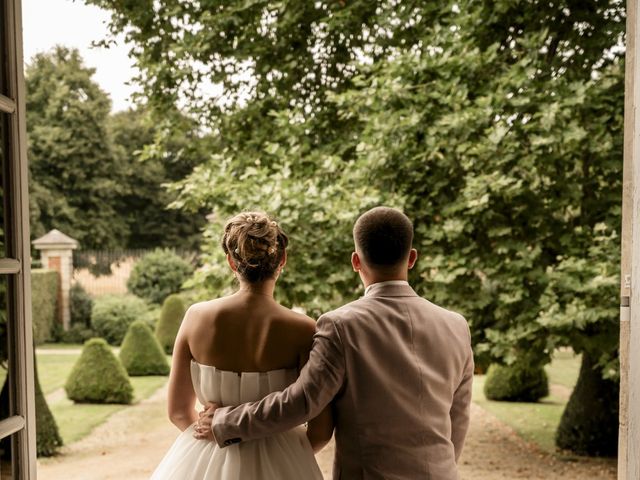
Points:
[535,422]
[76,420]
[564,368]
[144,387]
[53,370]
[59,346]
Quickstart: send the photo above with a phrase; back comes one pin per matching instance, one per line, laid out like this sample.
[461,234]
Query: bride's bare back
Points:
[247,332]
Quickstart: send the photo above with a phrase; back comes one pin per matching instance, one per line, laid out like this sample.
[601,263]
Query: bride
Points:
[238,349]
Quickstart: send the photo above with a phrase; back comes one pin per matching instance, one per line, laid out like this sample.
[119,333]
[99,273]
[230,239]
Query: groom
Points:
[397,368]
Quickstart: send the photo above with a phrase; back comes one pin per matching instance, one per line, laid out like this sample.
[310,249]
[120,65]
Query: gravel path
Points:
[133,441]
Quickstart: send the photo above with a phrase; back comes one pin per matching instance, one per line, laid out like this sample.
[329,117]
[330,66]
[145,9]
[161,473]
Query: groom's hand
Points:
[203,425]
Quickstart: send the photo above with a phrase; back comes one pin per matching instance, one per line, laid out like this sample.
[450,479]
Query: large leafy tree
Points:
[147,169]
[496,125]
[75,179]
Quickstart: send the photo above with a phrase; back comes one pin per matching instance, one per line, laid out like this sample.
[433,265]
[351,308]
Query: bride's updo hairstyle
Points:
[256,243]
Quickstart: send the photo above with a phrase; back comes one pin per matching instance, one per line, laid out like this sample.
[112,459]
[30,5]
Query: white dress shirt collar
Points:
[389,282]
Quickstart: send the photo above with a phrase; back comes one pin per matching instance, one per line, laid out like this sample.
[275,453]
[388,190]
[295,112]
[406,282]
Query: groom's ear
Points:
[413,256]
[355,262]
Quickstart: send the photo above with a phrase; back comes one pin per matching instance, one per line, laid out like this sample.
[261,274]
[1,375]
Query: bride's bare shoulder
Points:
[204,310]
[299,323]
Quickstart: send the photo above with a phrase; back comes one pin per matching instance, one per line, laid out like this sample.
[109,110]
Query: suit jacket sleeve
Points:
[461,406]
[319,381]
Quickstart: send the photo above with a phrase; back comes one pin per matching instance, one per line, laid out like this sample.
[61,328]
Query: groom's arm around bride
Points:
[397,368]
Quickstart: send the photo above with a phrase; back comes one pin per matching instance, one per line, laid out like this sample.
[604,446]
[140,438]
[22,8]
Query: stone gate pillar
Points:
[56,252]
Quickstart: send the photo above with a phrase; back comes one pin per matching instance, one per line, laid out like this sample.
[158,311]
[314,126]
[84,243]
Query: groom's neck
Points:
[377,277]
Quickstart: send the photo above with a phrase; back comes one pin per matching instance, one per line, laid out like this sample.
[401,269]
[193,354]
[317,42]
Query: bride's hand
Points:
[202,428]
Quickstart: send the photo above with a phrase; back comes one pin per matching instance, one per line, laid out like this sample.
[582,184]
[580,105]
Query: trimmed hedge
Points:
[519,382]
[44,303]
[589,423]
[158,274]
[80,304]
[98,376]
[48,439]
[141,354]
[112,315]
[171,315]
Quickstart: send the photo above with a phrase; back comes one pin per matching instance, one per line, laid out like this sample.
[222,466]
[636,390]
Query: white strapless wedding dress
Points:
[284,456]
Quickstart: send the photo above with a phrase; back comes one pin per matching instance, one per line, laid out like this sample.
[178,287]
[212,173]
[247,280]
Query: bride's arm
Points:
[320,429]
[182,397]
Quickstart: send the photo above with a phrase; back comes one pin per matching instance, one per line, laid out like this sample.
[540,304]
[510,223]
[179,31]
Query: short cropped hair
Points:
[383,236]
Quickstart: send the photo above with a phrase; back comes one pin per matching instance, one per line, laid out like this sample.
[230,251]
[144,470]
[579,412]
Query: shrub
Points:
[141,354]
[76,334]
[171,315]
[80,304]
[519,382]
[151,316]
[158,274]
[48,438]
[98,376]
[586,427]
[44,304]
[112,315]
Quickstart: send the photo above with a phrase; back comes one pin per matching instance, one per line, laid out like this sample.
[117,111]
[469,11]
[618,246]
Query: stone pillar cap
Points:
[55,240]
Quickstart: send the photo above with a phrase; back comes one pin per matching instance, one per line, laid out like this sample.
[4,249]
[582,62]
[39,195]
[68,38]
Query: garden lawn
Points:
[56,347]
[535,422]
[563,369]
[76,420]
[53,370]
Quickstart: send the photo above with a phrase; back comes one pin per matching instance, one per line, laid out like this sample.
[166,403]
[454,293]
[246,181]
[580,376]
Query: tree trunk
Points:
[589,423]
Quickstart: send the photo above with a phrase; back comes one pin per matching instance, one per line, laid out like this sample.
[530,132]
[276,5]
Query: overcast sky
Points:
[74,24]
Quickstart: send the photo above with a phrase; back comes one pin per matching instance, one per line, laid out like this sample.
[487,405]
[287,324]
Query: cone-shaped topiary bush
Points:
[173,310]
[519,382]
[589,423]
[48,438]
[98,376]
[141,353]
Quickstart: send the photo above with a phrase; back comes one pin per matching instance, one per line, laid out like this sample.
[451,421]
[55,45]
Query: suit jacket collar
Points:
[390,290]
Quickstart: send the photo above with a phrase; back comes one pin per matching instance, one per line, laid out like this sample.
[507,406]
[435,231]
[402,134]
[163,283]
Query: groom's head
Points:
[383,238]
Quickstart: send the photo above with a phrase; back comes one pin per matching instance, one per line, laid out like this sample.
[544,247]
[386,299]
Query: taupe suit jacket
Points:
[398,370]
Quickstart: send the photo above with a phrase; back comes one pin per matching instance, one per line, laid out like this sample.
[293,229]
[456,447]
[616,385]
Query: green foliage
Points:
[48,439]
[80,304]
[141,354]
[44,304]
[497,127]
[519,382]
[171,315]
[589,424]
[73,169]
[112,315]
[83,159]
[152,316]
[158,274]
[98,376]
[76,333]
[147,168]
